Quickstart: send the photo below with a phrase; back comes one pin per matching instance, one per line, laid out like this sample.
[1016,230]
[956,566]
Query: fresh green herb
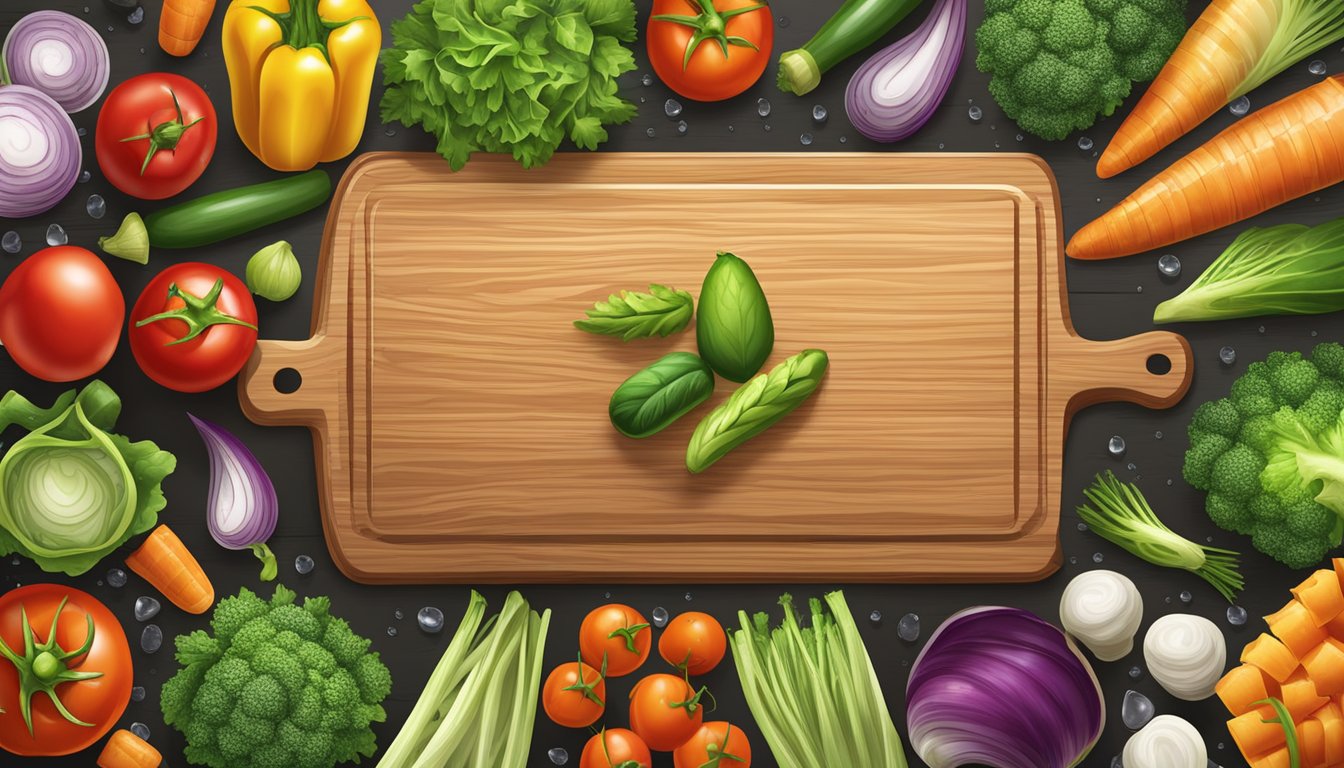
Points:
[516,77]
[130,242]
[636,315]
[649,401]
[1284,719]
[481,699]
[273,272]
[71,491]
[754,407]
[813,691]
[277,684]
[1290,269]
[1120,514]
[733,326]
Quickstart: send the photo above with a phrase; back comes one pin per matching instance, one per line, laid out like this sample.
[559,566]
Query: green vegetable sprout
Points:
[1284,719]
[1271,455]
[1120,514]
[278,685]
[1056,65]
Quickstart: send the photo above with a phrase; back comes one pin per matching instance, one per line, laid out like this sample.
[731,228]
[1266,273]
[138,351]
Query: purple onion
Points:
[39,152]
[1001,687]
[895,92]
[60,55]
[242,509]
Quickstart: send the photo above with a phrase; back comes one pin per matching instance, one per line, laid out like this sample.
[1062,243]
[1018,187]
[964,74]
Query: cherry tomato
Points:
[733,51]
[61,314]
[193,327]
[616,748]
[693,641]
[98,701]
[575,695]
[619,633]
[665,711]
[173,128]
[715,745]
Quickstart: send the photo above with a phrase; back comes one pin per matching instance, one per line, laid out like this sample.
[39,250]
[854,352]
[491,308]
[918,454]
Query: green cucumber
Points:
[857,25]
[232,212]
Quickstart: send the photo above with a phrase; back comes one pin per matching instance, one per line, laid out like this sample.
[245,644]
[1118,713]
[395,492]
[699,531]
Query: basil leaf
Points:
[636,315]
[733,327]
[649,401]
[754,407]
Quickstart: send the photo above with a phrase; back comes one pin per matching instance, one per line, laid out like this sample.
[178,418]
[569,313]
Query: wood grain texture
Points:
[460,420]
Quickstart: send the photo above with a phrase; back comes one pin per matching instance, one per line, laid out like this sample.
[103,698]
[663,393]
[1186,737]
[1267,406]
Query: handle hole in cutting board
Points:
[287,381]
[1158,365]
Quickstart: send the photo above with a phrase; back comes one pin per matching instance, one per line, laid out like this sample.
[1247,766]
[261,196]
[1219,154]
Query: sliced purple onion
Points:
[1002,687]
[39,152]
[242,509]
[60,55]
[895,92]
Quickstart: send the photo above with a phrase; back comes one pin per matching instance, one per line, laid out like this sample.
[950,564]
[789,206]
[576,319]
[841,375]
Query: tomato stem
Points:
[198,312]
[710,23]
[627,633]
[587,687]
[165,135]
[716,752]
[43,666]
[607,754]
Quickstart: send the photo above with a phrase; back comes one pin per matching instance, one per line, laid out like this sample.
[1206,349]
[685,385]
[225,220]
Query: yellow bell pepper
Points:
[300,72]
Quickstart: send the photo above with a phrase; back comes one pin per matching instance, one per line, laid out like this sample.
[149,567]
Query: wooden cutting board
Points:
[460,420]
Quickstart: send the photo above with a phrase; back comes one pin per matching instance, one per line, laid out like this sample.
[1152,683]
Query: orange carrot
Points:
[1321,595]
[1242,687]
[1311,742]
[1286,150]
[1332,726]
[165,562]
[1293,625]
[182,24]
[1299,695]
[1254,736]
[1279,758]
[1324,664]
[126,750]
[1271,656]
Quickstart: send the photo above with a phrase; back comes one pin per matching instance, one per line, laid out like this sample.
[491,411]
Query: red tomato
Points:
[665,711]
[615,748]
[173,142]
[729,59]
[61,313]
[575,695]
[620,634]
[693,641]
[97,701]
[192,298]
[715,745]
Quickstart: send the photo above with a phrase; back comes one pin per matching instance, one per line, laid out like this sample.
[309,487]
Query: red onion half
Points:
[39,152]
[242,510]
[895,92]
[60,55]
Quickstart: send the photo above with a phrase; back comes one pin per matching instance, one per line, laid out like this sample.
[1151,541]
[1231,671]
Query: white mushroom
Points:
[1103,609]
[1166,742]
[1186,655]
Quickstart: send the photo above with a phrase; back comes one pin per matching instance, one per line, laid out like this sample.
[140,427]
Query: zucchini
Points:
[232,212]
[857,25]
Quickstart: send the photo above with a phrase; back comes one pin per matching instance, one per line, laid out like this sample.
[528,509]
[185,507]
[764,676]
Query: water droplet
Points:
[1186,597]
[146,608]
[908,628]
[1138,289]
[142,51]
[688,597]
[1169,265]
[137,693]
[430,619]
[389,131]
[1236,615]
[1167,600]
[304,564]
[783,22]
[819,114]
[672,108]
[86,9]
[1135,673]
[137,16]
[805,139]
[15,561]
[1313,334]
[1073,561]
[643,100]
[1136,710]
[1240,107]
[647,80]
[763,107]
[875,617]
[1227,355]
[660,617]
[767,127]
[1158,434]
[1131,466]
[940,145]
[1085,143]
[116,578]
[110,28]
[391,631]
[141,730]
[11,242]
[844,139]
[975,113]
[1097,557]
[650,132]
[151,639]
[1116,762]
[1209,540]
[96,206]
[731,129]
[1170,482]
[1262,329]
[558,755]
[1020,137]
[84,177]
[1116,446]
[398,615]
[56,235]
[82,131]
[682,127]
[1317,67]
[606,595]
[1082,526]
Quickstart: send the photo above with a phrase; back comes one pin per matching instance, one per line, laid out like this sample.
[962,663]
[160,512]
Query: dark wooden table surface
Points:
[1108,300]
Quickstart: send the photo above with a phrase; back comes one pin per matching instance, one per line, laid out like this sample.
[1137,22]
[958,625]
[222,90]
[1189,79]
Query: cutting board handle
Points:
[1152,369]
[274,363]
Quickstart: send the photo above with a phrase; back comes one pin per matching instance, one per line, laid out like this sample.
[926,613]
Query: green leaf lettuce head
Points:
[511,76]
[71,491]
[275,684]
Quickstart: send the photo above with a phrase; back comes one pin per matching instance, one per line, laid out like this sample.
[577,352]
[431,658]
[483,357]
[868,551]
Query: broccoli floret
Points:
[1056,65]
[266,692]
[1205,450]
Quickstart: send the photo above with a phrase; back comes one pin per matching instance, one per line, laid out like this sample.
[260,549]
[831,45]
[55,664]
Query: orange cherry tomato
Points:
[734,46]
[617,633]
[693,641]
[616,748]
[665,711]
[575,695]
[715,745]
